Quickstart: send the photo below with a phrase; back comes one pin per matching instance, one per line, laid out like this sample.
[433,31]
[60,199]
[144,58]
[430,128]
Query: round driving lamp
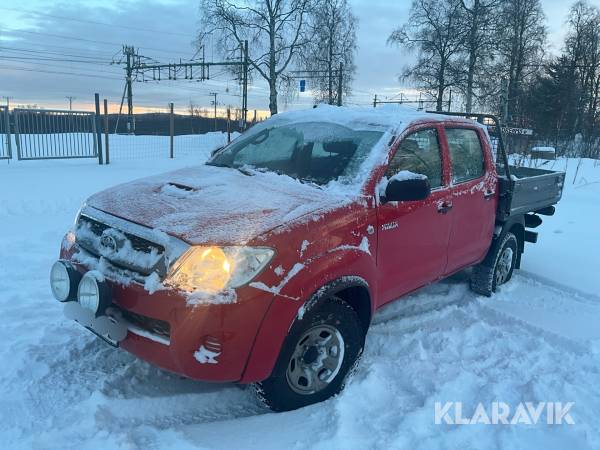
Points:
[93,294]
[64,280]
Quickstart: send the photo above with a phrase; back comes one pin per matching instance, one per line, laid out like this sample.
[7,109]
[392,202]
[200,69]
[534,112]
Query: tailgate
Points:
[535,189]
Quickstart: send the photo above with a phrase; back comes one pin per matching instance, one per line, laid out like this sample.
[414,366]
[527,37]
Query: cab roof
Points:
[388,118]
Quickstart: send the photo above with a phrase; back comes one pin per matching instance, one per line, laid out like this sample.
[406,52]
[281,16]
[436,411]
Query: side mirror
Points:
[407,189]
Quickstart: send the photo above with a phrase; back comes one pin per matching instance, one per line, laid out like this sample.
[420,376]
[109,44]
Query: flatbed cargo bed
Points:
[534,189]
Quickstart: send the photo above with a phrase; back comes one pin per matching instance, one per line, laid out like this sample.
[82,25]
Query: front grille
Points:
[90,232]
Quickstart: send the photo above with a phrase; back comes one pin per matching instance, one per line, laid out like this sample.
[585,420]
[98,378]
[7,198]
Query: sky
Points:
[50,50]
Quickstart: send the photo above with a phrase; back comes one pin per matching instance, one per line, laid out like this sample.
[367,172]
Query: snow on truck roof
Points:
[392,118]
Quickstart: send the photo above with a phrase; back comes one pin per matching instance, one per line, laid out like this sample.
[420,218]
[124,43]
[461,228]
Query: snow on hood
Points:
[214,205]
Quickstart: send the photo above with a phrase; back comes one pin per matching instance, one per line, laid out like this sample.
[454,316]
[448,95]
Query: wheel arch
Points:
[283,313]
[353,290]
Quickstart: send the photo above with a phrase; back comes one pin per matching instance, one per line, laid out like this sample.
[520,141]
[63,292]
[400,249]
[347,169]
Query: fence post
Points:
[98,128]
[106,144]
[171,129]
[8,134]
[228,125]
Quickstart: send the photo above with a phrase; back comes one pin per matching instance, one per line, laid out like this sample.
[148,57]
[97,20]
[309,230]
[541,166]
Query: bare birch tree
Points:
[435,31]
[479,23]
[332,45]
[521,39]
[274,29]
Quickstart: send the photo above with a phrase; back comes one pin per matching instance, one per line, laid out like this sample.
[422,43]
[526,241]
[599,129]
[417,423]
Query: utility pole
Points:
[8,99]
[214,103]
[129,53]
[138,66]
[70,98]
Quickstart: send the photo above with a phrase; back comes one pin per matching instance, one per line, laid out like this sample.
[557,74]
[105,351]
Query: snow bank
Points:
[536,340]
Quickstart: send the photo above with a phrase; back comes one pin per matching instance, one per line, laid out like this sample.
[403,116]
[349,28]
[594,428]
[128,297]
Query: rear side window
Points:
[419,153]
[466,154]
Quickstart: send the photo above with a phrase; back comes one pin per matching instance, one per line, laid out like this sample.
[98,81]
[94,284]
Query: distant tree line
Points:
[491,55]
[157,124]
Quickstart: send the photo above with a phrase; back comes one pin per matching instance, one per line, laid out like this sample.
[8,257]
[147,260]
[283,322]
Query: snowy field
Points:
[535,341]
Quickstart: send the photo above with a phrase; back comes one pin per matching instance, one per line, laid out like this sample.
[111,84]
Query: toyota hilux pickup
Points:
[265,265]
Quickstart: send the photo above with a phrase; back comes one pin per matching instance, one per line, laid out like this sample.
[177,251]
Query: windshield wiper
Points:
[245,171]
[311,182]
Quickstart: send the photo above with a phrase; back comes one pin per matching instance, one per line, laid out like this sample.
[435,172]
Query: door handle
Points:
[444,208]
[489,194]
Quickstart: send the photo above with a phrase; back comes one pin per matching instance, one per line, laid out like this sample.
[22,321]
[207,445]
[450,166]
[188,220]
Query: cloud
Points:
[164,30]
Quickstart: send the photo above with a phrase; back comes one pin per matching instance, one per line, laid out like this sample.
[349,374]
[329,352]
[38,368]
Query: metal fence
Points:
[196,147]
[55,134]
[5,139]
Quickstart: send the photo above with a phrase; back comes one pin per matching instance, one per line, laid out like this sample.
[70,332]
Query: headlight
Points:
[212,269]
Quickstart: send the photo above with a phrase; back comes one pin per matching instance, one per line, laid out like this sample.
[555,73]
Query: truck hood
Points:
[214,205]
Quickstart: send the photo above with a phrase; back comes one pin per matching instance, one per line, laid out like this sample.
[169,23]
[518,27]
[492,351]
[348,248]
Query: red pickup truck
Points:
[266,264]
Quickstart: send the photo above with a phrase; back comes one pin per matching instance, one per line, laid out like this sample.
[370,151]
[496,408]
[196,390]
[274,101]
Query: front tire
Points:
[318,353]
[498,266]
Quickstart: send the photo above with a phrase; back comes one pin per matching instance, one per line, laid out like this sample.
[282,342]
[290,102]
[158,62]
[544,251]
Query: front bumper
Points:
[210,342]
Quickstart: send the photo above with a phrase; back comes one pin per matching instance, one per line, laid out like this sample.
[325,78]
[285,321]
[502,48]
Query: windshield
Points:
[313,152]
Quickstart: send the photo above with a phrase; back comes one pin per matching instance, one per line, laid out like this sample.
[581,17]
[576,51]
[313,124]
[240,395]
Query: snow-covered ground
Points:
[535,341]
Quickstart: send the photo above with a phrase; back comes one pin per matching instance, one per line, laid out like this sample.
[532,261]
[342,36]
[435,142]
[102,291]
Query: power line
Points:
[80,39]
[93,22]
[60,47]
[67,66]
[46,52]
[56,72]
[41,58]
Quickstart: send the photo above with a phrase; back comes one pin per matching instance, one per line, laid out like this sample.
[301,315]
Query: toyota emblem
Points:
[108,243]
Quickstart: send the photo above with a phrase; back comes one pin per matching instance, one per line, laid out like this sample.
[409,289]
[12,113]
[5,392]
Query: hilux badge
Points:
[389,226]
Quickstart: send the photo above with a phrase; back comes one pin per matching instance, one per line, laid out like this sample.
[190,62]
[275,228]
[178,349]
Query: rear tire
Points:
[498,266]
[319,352]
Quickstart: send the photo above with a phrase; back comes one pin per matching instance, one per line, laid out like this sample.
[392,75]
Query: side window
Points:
[419,153]
[466,154]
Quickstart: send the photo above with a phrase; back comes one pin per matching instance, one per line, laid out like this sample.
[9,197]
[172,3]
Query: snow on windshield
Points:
[316,152]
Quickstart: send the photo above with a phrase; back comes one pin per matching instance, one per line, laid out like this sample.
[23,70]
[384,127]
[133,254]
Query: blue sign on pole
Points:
[302,85]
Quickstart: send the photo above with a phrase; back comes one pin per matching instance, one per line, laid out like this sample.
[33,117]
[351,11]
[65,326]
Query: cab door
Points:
[413,236]
[474,199]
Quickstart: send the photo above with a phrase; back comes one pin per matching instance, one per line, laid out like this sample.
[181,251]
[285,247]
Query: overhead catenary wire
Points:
[93,41]
[4,49]
[93,22]
[69,66]
[23,69]
[41,58]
